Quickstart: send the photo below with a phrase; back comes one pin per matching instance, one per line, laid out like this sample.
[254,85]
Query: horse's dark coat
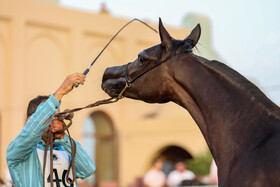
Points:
[239,123]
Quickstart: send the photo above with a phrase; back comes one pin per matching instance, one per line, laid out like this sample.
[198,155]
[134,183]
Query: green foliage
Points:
[200,164]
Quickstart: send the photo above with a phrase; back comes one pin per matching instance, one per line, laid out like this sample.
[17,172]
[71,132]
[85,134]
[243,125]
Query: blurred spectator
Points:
[104,9]
[155,177]
[212,178]
[180,174]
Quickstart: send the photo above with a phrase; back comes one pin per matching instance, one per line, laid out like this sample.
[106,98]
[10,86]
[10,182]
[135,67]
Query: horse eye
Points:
[141,59]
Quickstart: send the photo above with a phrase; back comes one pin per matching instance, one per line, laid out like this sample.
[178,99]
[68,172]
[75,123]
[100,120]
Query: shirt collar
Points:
[56,145]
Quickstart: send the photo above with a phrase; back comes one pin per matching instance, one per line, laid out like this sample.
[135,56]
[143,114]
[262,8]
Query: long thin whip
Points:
[87,70]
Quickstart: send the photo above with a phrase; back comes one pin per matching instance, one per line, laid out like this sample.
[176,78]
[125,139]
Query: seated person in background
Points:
[176,177]
[155,177]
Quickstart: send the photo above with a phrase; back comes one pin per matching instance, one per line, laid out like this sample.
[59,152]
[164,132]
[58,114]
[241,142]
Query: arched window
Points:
[170,155]
[90,144]
[100,142]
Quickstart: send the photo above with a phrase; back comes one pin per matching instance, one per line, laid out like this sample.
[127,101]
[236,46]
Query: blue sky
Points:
[245,33]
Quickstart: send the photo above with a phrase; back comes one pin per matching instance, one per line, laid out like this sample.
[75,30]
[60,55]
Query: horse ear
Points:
[194,36]
[166,39]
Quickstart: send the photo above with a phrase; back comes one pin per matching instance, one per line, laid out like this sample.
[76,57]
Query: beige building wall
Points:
[41,43]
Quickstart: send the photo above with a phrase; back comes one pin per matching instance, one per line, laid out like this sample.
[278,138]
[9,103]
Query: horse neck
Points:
[228,115]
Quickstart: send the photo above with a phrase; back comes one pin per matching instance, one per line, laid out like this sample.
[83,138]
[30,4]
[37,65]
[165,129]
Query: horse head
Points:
[152,69]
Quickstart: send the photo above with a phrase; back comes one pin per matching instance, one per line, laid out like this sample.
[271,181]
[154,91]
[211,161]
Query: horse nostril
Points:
[109,91]
[106,90]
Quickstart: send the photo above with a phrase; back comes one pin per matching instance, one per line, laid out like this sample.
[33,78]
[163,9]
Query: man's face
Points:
[158,164]
[180,166]
[56,124]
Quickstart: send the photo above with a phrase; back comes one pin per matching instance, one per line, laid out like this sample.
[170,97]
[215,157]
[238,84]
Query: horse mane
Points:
[254,93]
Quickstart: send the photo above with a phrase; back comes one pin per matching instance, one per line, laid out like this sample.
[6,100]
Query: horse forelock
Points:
[181,46]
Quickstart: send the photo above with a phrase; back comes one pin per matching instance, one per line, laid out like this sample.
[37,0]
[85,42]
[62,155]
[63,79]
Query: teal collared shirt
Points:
[22,157]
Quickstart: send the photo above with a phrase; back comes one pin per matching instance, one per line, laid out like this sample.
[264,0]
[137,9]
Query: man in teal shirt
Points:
[25,152]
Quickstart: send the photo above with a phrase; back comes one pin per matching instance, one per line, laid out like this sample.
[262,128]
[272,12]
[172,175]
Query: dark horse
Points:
[239,123]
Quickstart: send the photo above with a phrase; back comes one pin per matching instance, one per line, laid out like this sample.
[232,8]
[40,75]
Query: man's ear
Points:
[194,36]
[166,39]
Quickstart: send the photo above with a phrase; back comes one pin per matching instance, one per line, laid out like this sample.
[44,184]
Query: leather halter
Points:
[128,82]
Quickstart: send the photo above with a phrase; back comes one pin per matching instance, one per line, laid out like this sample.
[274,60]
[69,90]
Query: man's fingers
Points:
[78,79]
[78,75]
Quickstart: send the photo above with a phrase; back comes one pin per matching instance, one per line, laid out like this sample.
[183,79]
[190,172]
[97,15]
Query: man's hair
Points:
[34,103]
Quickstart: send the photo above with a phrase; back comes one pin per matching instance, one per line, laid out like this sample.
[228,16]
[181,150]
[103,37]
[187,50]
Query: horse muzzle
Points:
[114,80]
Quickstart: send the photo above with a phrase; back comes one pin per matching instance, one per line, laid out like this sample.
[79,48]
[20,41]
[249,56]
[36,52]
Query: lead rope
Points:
[48,138]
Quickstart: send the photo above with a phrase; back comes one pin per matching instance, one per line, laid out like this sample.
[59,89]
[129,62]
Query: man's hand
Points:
[68,83]
[57,125]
